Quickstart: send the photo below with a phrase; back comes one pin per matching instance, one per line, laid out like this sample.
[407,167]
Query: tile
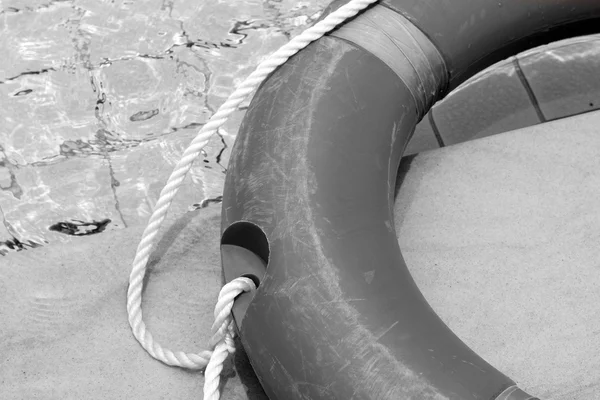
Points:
[141,173]
[75,190]
[34,42]
[142,99]
[564,76]
[39,112]
[130,29]
[492,102]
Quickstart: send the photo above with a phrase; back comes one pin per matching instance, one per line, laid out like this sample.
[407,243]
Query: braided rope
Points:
[134,292]
[223,334]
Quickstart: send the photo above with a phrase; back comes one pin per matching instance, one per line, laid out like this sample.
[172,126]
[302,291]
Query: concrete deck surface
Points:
[500,233]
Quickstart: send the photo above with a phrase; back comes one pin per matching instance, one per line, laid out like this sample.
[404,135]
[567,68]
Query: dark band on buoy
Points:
[405,49]
[310,193]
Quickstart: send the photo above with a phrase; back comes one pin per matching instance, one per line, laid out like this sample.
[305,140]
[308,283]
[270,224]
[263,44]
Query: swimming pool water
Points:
[99,98]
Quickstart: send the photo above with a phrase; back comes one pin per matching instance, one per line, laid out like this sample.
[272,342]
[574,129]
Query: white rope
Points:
[223,334]
[136,278]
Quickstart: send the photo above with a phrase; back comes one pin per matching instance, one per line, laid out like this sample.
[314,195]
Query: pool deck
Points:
[500,233]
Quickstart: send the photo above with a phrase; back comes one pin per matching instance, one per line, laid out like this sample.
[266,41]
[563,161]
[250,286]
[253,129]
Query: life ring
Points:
[310,189]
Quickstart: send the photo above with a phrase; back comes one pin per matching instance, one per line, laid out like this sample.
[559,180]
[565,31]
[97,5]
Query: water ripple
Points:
[98,100]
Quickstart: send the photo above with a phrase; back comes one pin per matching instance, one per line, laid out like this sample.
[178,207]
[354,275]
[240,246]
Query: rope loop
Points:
[221,343]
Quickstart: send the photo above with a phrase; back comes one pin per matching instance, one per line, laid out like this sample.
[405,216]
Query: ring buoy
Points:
[309,193]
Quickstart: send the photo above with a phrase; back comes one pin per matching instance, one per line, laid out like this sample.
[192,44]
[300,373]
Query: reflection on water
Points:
[98,99]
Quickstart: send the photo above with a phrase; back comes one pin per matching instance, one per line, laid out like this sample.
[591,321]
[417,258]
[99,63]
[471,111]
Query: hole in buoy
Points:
[244,253]
[254,279]
[249,236]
